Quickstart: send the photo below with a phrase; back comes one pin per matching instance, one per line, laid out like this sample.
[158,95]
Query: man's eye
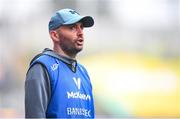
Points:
[82,27]
[72,27]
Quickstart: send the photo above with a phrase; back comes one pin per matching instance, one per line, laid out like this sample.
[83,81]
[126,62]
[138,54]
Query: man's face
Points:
[71,38]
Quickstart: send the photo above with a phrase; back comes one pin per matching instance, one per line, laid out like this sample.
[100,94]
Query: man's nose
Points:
[79,30]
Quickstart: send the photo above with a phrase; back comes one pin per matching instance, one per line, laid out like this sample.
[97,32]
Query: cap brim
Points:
[87,21]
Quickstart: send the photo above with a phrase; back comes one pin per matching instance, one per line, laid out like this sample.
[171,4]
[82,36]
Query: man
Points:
[56,85]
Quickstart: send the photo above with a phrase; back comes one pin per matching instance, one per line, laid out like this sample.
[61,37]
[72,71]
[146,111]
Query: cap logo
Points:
[73,12]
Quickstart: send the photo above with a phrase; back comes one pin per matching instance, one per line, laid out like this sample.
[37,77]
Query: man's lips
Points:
[80,41]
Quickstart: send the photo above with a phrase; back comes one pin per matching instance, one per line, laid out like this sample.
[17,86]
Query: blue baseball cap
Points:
[67,17]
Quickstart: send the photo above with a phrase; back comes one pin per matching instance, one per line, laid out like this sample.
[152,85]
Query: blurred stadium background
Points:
[132,53]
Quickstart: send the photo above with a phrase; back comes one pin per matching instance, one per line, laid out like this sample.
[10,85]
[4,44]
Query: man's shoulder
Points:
[36,67]
[82,68]
[40,54]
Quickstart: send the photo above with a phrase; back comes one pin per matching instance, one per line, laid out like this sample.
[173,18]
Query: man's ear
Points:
[54,36]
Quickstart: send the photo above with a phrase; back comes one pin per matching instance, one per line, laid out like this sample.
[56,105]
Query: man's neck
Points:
[64,54]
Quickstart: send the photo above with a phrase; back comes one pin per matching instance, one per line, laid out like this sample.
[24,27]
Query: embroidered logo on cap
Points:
[73,12]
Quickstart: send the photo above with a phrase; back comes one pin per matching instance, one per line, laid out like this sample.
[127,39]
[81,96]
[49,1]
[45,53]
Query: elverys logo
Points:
[54,66]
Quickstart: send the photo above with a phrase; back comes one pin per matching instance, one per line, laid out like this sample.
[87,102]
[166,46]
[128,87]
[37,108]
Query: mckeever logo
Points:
[54,66]
[77,81]
[78,95]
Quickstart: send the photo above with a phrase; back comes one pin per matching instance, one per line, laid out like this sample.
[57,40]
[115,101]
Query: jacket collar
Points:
[72,64]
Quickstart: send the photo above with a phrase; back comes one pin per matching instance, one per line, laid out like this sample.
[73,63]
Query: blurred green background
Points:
[132,53]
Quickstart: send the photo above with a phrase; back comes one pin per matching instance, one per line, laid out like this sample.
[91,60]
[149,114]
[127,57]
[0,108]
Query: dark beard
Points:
[70,50]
